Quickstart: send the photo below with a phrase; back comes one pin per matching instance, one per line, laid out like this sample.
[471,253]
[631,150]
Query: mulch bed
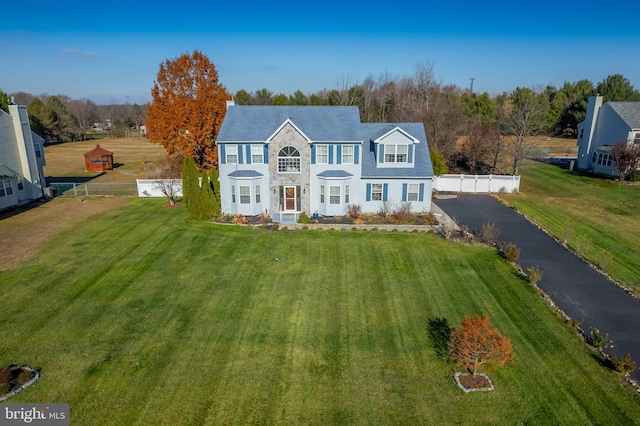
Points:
[14,378]
[470,383]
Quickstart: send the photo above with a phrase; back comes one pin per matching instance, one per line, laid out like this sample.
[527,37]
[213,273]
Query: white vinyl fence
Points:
[476,183]
[153,187]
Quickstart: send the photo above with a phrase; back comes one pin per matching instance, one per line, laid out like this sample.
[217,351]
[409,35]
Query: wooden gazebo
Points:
[98,160]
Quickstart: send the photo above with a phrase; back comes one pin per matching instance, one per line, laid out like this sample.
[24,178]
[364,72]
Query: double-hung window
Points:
[233,194]
[412,191]
[346,194]
[245,194]
[376,192]
[257,194]
[232,154]
[322,154]
[256,154]
[347,154]
[5,188]
[334,195]
[396,153]
[321,194]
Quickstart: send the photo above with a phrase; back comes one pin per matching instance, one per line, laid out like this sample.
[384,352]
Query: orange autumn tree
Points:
[476,342]
[187,108]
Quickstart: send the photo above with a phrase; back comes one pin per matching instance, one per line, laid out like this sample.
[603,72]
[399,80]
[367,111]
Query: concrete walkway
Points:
[576,288]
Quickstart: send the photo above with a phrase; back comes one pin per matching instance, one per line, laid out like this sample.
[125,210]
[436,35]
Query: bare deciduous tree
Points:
[626,155]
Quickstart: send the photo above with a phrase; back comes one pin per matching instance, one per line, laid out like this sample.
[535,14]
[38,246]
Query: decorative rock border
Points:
[467,390]
[36,376]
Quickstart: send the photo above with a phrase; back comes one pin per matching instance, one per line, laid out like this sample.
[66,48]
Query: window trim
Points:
[319,154]
[334,199]
[231,151]
[260,154]
[374,191]
[392,157]
[288,162]
[321,194]
[244,198]
[257,194]
[346,194]
[345,155]
[233,194]
[412,194]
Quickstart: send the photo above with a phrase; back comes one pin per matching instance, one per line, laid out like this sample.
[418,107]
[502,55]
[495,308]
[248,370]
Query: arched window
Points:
[288,160]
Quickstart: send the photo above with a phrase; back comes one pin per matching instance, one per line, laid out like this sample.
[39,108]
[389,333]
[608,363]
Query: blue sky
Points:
[110,52]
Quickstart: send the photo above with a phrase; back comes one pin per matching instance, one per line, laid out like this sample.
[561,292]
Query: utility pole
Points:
[471,88]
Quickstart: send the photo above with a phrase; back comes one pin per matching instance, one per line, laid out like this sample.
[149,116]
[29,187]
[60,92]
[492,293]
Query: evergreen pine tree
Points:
[215,184]
[190,187]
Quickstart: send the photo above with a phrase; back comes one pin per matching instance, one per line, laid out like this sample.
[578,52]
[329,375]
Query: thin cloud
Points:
[77,54]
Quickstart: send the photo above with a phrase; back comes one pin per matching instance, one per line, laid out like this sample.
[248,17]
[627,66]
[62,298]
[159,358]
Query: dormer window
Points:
[289,160]
[395,153]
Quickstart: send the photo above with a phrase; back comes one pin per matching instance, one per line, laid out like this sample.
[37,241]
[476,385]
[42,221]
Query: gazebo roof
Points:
[97,151]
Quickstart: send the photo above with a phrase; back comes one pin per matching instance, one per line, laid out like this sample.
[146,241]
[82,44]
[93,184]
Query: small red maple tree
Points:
[477,342]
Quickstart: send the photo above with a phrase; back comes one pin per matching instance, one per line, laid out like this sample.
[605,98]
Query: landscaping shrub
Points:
[403,213]
[488,233]
[429,218]
[599,340]
[534,275]
[447,230]
[265,218]
[624,365]
[303,218]
[239,220]
[24,376]
[354,211]
[511,252]
[384,209]
[4,388]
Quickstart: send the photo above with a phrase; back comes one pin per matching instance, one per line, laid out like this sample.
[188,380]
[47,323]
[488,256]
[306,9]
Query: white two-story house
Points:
[21,159]
[604,126]
[285,160]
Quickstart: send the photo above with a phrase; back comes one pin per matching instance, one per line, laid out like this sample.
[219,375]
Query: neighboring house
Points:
[21,159]
[604,126]
[285,160]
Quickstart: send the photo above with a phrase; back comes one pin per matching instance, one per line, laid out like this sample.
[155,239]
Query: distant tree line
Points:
[62,119]
[493,126]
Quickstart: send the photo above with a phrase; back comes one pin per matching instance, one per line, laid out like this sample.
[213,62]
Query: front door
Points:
[290,199]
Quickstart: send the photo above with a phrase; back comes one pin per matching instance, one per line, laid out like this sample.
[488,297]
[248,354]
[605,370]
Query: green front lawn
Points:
[142,317]
[598,218]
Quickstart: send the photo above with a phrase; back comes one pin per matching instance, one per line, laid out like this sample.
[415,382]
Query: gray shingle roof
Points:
[334,174]
[422,159]
[319,123]
[628,111]
[245,174]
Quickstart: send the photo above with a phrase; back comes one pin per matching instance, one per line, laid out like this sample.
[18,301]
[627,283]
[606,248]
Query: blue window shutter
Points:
[248,154]
[356,154]
[222,154]
[265,160]
[239,154]
[385,191]
[404,192]
[368,192]
[380,153]
[421,193]
[410,156]
[330,154]
[313,154]
[339,159]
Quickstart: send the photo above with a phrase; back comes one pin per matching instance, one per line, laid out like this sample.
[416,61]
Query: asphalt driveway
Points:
[574,286]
